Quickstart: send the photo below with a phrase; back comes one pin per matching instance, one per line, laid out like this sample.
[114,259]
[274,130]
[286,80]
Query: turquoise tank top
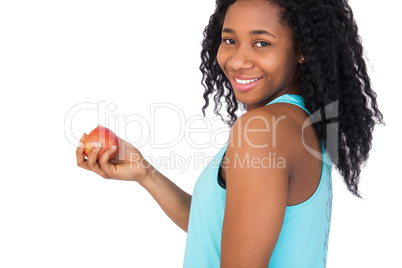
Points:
[303,240]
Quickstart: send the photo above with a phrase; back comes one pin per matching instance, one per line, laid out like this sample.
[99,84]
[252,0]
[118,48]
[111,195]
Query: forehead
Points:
[251,15]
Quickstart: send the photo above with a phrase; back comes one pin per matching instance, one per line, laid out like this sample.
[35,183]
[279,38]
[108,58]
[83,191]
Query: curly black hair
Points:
[334,72]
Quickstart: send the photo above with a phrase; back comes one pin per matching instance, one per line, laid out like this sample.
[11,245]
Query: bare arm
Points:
[174,201]
[130,165]
[256,194]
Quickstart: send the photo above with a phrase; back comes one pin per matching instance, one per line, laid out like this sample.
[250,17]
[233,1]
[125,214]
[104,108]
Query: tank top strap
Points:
[292,99]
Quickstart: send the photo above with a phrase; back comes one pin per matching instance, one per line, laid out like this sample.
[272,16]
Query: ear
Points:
[301,58]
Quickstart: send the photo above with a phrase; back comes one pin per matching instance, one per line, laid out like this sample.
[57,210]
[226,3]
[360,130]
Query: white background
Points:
[60,59]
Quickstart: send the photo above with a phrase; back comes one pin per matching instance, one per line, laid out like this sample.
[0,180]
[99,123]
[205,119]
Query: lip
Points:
[244,87]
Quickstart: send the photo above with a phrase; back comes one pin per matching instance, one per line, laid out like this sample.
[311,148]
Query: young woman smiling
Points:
[295,66]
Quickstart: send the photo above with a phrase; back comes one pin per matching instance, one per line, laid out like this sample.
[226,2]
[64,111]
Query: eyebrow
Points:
[255,32]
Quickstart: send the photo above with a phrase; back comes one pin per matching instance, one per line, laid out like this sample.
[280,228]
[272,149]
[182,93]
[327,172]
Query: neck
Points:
[293,88]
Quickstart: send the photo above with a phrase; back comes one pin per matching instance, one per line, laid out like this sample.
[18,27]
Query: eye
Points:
[262,44]
[229,41]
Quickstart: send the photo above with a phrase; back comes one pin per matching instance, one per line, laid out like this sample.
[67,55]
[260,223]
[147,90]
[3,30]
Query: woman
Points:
[266,198]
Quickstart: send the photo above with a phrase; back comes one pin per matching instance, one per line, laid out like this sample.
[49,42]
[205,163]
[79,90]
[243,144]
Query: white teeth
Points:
[243,82]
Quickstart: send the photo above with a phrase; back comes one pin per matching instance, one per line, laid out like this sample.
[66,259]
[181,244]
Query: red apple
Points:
[105,137]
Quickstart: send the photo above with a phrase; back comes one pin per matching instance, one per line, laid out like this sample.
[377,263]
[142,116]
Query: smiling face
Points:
[257,53]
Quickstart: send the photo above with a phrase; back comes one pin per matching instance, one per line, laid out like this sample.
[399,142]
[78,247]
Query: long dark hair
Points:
[334,72]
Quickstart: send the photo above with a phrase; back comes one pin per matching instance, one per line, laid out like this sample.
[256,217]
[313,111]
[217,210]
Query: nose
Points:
[240,59]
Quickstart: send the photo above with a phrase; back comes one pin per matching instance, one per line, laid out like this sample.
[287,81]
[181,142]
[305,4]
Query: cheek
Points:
[286,66]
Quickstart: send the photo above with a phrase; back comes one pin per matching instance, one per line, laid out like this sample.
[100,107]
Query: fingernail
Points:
[113,147]
[97,144]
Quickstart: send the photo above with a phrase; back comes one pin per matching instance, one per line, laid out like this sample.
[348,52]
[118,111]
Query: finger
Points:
[122,149]
[92,161]
[105,165]
[93,154]
[80,155]
[82,140]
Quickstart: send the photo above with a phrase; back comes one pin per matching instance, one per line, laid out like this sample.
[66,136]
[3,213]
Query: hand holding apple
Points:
[103,138]
[129,164]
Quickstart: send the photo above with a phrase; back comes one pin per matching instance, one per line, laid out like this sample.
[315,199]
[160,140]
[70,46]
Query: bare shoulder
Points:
[275,128]
[277,140]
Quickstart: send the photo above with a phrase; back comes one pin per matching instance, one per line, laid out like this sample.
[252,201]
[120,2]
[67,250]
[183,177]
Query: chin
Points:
[248,98]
